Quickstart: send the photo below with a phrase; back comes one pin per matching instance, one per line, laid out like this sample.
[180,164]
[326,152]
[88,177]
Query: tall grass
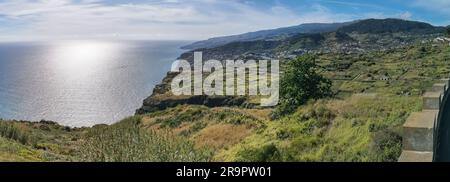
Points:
[127,141]
[11,131]
[357,129]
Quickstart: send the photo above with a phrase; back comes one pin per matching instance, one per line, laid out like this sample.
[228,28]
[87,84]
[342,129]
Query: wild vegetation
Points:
[11,131]
[373,94]
[300,83]
[335,106]
[127,141]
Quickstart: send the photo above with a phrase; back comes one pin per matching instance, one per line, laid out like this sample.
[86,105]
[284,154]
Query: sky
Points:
[30,20]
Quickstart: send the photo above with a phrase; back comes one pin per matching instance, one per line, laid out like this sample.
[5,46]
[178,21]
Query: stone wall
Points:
[420,129]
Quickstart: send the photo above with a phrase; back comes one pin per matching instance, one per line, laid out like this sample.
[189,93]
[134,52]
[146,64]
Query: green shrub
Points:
[192,114]
[265,153]
[387,146]
[194,128]
[127,141]
[11,131]
[283,109]
[300,83]
[283,135]
[233,117]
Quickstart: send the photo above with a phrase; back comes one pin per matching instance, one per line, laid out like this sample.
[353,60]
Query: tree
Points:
[300,83]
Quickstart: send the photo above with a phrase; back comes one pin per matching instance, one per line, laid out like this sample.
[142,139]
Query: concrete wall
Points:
[419,131]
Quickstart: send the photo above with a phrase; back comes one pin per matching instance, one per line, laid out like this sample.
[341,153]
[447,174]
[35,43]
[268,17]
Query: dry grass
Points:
[221,136]
[341,106]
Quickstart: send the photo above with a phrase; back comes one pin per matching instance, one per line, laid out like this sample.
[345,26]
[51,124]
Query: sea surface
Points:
[81,83]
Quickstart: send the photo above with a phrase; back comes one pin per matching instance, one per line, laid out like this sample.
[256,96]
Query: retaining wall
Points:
[420,130]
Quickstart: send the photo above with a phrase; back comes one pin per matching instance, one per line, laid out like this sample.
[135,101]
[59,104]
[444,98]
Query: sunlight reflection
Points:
[82,57]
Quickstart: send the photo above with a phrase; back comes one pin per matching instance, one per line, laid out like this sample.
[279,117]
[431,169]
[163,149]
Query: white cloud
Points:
[406,15]
[158,19]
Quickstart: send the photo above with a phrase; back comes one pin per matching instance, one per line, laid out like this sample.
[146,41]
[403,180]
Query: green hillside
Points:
[373,94]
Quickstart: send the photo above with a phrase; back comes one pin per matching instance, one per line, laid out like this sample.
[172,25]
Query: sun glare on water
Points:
[80,57]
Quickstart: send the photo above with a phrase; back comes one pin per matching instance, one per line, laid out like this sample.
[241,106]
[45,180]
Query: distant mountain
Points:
[275,34]
[377,26]
[353,37]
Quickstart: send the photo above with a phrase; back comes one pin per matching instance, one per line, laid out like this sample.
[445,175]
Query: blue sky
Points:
[192,19]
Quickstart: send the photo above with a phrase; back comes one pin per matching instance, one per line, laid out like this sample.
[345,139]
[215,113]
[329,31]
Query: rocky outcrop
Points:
[153,105]
[162,99]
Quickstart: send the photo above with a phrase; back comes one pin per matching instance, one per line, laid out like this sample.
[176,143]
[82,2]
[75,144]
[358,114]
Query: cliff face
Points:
[162,98]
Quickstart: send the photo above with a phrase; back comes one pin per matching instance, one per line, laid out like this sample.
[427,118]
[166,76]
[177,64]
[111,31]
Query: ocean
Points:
[81,83]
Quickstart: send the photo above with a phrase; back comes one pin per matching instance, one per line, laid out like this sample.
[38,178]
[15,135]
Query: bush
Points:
[11,131]
[126,141]
[301,83]
[266,153]
[283,109]
[192,114]
[387,145]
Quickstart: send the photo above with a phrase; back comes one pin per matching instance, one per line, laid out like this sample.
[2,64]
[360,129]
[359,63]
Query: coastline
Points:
[105,88]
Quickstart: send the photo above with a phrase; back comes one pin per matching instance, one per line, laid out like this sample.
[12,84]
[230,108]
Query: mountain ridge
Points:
[366,26]
[278,33]
[359,36]
[389,25]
